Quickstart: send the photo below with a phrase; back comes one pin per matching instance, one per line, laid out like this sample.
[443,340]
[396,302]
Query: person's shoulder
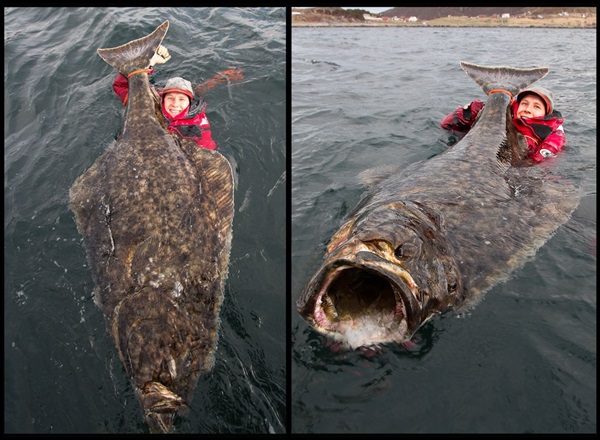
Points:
[198,104]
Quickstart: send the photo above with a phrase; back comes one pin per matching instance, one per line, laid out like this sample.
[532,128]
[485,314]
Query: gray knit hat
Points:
[178,84]
[545,94]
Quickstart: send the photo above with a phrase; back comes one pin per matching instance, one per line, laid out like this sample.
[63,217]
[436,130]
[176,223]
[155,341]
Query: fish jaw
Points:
[160,405]
[159,423]
[359,299]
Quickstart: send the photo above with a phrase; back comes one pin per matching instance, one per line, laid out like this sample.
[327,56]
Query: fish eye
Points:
[405,251]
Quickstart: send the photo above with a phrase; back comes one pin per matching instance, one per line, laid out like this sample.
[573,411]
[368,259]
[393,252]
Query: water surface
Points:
[61,371]
[524,360]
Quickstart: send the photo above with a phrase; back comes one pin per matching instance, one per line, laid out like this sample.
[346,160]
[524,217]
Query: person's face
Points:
[175,103]
[531,107]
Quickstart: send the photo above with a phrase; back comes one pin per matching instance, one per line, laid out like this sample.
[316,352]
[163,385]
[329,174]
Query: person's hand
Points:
[160,57]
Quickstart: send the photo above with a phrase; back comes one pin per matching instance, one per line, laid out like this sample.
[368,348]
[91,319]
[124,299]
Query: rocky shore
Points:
[311,19]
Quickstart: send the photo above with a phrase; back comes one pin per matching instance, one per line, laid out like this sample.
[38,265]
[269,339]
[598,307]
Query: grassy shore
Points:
[527,22]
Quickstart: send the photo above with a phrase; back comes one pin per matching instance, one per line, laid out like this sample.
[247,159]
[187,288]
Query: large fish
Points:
[437,235]
[156,219]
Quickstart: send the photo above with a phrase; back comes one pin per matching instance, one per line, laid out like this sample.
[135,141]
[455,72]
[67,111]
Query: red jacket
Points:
[545,136]
[190,124]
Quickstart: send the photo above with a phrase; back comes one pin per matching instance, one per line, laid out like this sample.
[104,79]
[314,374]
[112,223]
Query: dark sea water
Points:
[523,360]
[61,370]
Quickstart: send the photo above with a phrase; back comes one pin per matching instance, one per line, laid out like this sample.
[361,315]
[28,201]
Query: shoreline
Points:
[403,25]
[550,22]
[317,25]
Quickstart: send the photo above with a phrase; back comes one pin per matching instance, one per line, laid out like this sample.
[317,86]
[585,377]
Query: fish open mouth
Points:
[362,305]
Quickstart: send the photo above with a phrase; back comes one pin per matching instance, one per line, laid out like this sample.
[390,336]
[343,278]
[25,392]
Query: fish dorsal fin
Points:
[216,186]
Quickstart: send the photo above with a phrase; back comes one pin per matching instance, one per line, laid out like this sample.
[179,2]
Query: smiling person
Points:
[183,109]
[533,115]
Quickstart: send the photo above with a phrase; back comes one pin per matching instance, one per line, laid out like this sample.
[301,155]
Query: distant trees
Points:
[349,14]
[356,14]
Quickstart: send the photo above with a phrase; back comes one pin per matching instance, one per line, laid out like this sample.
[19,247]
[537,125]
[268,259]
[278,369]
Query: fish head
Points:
[386,272]
[160,406]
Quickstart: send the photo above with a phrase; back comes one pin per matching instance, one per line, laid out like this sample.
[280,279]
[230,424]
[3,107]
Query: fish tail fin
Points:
[136,54]
[511,79]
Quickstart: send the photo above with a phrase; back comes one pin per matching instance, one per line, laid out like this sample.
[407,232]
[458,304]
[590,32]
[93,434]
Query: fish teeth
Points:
[327,306]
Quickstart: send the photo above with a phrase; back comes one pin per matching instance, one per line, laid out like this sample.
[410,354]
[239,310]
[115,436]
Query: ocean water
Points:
[523,360]
[61,370]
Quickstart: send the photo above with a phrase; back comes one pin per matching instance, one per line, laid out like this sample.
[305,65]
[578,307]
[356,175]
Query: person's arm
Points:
[462,119]
[207,141]
[229,76]
[121,87]
[553,143]
[121,82]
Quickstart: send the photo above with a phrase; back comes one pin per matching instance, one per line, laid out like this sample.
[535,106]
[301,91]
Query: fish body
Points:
[156,218]
[438,235]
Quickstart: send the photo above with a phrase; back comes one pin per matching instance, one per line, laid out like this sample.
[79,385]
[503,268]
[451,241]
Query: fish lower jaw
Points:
[356,333]
[160,406]
[159,423]
[361,330]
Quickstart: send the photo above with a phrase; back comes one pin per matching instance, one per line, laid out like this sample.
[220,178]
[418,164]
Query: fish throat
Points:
[356,293]
[359,306]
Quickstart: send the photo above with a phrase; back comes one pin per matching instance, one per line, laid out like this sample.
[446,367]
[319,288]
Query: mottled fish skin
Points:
[438,235]
[156,220]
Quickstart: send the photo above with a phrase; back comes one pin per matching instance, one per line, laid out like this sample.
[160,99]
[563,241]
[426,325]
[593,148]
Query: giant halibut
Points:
[442,232]
[156,219]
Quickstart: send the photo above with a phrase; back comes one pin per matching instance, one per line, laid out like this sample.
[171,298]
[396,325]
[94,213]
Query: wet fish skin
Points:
[156,218]
[438,235]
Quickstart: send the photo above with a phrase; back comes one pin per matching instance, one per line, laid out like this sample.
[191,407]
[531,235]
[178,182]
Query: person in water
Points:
[533,115]
[183,109]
